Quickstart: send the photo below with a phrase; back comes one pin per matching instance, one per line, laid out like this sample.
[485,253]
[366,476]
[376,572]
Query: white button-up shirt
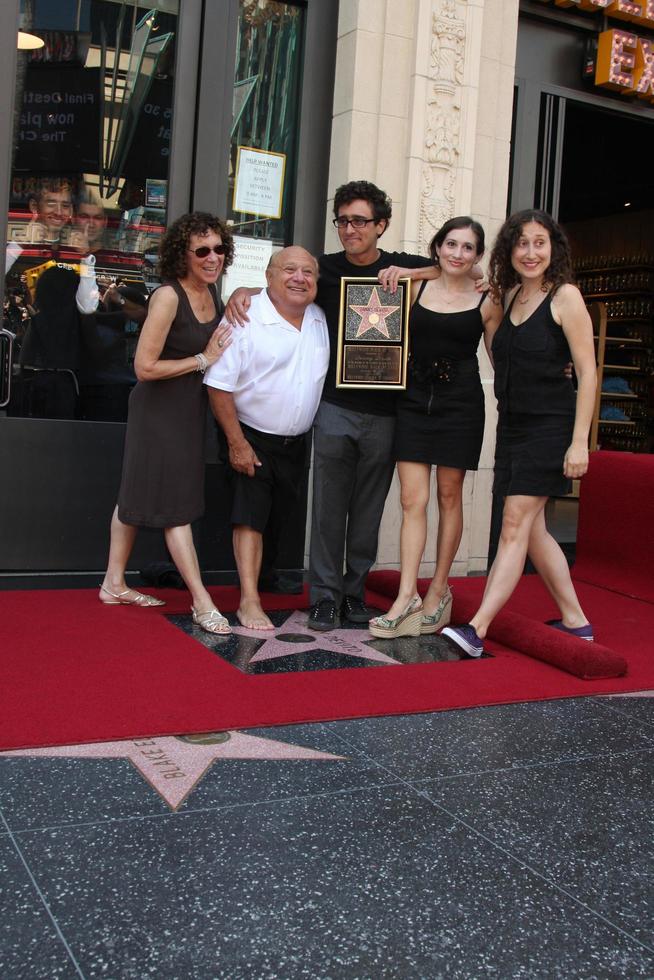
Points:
[275,371]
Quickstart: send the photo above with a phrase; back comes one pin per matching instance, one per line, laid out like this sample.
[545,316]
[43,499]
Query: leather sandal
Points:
[130,597]
[406,624]
[433,622]
[211,621]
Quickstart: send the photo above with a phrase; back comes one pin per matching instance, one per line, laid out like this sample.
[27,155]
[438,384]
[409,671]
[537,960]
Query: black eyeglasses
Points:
[356,222]
[203,250]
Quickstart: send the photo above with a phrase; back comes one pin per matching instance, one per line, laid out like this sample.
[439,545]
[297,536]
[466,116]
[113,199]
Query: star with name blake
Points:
[373,315]
[174,765]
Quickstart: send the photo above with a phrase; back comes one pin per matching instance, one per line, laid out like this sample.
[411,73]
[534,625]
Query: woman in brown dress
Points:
[163,467]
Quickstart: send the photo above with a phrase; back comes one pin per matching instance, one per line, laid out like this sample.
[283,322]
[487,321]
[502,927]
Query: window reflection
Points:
[266,109]
[92,125]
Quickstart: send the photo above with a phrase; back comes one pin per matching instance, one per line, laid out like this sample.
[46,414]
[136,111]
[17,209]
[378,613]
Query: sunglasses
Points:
[203,250]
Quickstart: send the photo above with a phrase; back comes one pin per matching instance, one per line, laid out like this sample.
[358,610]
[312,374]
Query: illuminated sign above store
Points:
[625,61]
[641,11]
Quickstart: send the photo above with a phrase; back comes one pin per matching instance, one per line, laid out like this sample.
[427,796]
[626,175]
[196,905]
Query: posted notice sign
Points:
[251,258]
[259,184]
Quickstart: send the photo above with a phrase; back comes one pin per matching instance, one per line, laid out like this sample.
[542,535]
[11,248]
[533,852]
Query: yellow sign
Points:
[638,11]
[625,63]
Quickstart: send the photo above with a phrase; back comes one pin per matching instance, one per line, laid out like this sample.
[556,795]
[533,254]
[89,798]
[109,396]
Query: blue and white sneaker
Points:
[465,637]
[583,632]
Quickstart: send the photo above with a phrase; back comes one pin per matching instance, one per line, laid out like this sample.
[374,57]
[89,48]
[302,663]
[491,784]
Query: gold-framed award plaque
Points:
[373,334]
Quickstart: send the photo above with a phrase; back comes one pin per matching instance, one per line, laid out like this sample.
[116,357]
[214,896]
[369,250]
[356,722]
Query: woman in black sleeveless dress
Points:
[440,422]
[163,468]
[542,433]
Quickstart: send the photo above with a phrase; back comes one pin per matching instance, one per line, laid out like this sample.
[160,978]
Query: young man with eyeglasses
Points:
[353,430]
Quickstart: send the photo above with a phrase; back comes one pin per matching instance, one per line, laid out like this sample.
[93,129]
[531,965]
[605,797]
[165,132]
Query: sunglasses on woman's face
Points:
[202,251]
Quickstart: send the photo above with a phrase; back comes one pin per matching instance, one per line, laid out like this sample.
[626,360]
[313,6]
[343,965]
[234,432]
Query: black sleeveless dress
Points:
[440,416]
[163,466]
[536,405]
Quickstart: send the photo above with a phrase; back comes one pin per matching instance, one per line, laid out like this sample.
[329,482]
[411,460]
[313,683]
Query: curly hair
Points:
[460,222]
[501,274]
[174,244]
[363,190]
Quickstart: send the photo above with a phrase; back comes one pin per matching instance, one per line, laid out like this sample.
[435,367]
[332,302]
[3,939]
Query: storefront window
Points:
[92,124]
[265,119]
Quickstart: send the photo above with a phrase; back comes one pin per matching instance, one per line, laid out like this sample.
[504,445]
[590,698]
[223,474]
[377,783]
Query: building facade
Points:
[452,106]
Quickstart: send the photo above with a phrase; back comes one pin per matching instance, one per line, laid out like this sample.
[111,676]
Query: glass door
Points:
[89,180]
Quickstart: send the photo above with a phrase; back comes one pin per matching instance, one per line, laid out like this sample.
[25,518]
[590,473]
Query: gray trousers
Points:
[352,471]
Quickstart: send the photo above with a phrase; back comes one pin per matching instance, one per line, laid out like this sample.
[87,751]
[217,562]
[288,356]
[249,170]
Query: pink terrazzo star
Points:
[348,642]
[174,766]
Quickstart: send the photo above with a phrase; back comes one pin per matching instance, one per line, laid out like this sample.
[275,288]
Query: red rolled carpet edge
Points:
[588,661]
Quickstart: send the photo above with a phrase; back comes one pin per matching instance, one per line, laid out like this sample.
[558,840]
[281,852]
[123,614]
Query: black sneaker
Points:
[355,610]
[323,615]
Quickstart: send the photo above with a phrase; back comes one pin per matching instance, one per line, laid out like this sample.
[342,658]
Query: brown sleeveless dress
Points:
[163,467]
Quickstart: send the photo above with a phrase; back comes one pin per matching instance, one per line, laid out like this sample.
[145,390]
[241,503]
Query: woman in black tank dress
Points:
[542,433]
[163,467]
[440,422]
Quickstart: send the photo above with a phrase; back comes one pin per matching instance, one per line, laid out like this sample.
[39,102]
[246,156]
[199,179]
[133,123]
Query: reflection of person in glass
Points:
[89,223]
[163,468]
[108,337]
[50,354]
[51,208]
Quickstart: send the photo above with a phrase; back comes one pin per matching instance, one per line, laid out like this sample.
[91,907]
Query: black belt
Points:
[273,437]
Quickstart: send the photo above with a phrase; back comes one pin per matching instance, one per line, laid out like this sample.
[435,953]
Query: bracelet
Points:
[203,363]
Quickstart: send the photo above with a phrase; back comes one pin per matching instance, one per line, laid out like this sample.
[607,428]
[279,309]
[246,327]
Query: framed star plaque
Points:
[373,334]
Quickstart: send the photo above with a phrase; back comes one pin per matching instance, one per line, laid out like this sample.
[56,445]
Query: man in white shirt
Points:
[264,392]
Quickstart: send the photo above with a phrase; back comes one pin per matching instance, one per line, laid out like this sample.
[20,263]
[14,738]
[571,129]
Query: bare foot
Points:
[251,615]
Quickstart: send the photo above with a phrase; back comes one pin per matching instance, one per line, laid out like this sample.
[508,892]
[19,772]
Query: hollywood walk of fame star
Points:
[173,766]
[373,315]
[245,648]
[349,642]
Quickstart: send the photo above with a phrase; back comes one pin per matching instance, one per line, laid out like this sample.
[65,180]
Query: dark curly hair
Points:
[363,190]
[501,274]
[174,244]
[454,224]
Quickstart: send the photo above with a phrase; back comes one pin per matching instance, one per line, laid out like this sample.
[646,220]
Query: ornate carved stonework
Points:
[443,117]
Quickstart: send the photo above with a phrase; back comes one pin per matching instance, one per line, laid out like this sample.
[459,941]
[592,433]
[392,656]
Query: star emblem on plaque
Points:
[373,333]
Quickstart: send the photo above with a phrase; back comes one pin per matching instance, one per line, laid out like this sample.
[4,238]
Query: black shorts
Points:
[277,484]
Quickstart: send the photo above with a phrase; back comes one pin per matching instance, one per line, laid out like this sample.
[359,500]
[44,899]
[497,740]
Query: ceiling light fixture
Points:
[29,42]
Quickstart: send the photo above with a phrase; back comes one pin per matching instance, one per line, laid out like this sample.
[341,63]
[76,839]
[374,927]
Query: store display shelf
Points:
[624,424]
[618,294]
[621,340]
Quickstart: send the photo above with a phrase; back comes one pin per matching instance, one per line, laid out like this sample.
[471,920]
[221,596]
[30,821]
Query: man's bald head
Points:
[292,277]
[290,254]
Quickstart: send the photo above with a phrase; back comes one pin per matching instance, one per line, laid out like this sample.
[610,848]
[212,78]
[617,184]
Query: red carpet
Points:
[74,671]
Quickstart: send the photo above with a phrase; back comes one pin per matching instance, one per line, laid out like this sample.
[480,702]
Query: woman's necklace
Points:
[523,302]
[202,301]
[444,296]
